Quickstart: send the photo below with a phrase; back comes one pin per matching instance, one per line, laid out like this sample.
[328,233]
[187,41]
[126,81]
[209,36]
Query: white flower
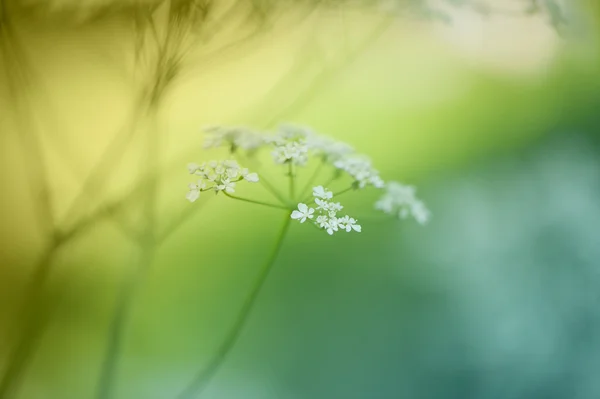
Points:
[347,223]
[290,145]
[331,226]
[326,211]
[232,137]
[322,220]
[193,168]
[361,170]
[401,199]
[303,213]
[195,189]
[226,185]
[220,176]
[250,177]
[320,192]
[329,149]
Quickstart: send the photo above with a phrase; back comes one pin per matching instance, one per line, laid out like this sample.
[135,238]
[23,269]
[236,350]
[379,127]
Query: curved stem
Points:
[147,242]
[203,378]
[32,328]
[269,186]
[312,179]
[343,191]
[106,382]
[291,176]
[256,202]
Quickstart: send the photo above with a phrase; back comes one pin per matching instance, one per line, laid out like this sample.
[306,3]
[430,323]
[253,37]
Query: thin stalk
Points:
[291,176]
[269,186]
[31,329]
[203,378]
[343,191]
[255,201]
[108,371]
[312,178]
[147,241]
[273,190]
[331,180]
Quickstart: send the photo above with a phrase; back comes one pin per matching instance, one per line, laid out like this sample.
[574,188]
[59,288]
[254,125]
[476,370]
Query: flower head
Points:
[326,211]
[232,137]
[401,200]
[218,176]
[361,170]
[290,145]
[320,192]
[195,189]
[303,213]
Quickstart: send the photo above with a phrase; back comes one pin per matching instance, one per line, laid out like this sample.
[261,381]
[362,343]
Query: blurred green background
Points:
[491,112]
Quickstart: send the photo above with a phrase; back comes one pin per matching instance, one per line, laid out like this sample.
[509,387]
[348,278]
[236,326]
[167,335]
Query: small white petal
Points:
[193,195]
[251,177]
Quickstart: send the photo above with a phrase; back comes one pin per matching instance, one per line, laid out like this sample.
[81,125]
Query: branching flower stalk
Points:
[292,149]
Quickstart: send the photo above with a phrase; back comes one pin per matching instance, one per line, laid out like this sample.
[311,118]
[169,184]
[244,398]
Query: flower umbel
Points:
[401,200]
[295,146]
[326,211]
[303,213]
[218,176]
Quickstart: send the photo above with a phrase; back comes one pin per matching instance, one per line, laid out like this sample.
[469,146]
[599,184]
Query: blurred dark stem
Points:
[32,327]
[109,368]
[205,375]
[307,189]
[147,243]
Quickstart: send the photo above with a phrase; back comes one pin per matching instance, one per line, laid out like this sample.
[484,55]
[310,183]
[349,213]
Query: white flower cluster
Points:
[361,170]
[232,137]
[295,144]
[329,149]
[326,211]
[290,145]
[217,176]
[401,199]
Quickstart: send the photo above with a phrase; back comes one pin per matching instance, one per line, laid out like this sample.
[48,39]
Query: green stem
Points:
[31,329]
[262,180]
[147,241]
[343,191]
[311,180]
[334,177]
[291,176]
[108,371]
[256,202]
[203,378]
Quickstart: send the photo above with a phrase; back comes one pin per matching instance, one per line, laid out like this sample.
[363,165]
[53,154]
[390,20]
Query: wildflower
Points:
[290,145]
[347,223]
[218,176]
[303,213]
[250,177]
[326,211]
[193,168]
[296,146]
[232,137]
[195,189]
[361,170]
[401,199]
[320,192]
[226,185]
[330,150]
